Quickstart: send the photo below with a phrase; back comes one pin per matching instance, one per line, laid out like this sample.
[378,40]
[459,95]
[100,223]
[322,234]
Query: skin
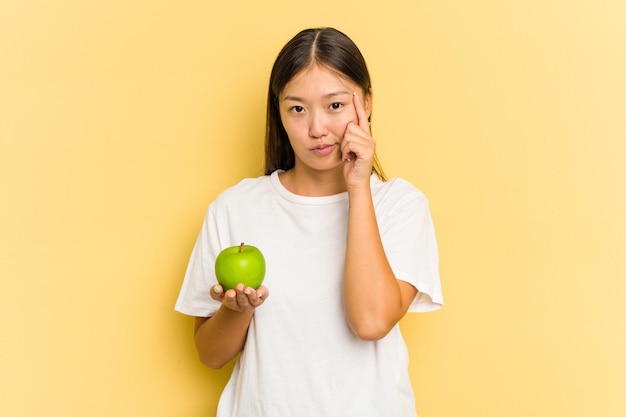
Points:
[327,124]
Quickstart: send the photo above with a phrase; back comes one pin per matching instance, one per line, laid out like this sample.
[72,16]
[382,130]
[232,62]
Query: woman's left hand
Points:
[357,148]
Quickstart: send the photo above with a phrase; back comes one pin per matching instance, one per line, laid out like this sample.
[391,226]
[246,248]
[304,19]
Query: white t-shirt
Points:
[300,358]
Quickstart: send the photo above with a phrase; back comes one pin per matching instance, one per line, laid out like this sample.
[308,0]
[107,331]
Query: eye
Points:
[297,109]
[336,106]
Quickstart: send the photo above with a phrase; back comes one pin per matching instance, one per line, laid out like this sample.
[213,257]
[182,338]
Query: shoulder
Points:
[240,197]
[397,190]
[246,188]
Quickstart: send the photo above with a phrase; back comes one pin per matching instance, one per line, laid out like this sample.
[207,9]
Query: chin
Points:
[335,166]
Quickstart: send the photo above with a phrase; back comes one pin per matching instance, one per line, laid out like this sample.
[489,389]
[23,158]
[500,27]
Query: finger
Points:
[349,156]
[262,292]
[217,292]
[355,141]
[253,298]
[257,297]
[350,142]
[362,119]
[346,152]
[242,295]
[230,298]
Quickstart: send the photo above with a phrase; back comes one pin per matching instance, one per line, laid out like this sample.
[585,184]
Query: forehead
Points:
[318,80]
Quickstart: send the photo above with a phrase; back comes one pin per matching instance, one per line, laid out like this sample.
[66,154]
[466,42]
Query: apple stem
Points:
[241,247]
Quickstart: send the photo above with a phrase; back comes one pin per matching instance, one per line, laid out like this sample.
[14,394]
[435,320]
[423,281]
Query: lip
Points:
[324,149]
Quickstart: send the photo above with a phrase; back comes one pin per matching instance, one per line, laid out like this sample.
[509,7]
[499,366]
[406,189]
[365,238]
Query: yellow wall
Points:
[121,120]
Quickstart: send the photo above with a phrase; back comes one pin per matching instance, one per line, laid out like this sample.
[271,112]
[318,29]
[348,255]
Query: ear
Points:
[367,103]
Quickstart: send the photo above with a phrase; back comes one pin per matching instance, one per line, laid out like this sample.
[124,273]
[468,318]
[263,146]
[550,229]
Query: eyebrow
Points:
[326,96]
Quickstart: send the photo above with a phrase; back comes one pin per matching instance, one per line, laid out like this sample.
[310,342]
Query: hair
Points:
[326,47]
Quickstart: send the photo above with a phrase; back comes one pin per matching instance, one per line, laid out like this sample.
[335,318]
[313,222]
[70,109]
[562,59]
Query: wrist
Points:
[359,190]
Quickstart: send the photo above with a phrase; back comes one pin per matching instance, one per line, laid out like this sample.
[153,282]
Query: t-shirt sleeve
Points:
[410,244]
[194,298]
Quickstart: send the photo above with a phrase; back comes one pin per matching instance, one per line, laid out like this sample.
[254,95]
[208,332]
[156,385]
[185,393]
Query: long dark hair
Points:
[327,47]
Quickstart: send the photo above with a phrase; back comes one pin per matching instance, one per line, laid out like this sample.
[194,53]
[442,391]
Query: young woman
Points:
[347,252]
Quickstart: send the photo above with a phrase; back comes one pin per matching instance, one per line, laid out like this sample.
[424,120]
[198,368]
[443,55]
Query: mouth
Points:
[324,149]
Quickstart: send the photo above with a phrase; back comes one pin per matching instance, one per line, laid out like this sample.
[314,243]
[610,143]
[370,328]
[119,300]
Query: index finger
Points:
[362,120]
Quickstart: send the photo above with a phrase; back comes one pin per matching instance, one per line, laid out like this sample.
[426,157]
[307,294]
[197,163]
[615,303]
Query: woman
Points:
[347,253]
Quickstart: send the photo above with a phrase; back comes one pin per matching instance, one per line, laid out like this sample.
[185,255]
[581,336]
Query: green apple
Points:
[240,264]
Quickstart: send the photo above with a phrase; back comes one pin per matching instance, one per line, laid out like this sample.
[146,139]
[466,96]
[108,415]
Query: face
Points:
[315,108]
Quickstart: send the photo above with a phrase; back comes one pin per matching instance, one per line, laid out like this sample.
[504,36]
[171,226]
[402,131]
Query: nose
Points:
[317,126]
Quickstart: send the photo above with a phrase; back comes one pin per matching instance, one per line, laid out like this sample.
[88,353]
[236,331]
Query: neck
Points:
[313,183]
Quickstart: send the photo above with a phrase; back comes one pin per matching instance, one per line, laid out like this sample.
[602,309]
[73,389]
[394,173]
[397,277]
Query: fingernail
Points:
[217,289]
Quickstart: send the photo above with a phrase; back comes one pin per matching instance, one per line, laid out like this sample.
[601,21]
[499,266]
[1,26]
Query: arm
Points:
[221,337]
[374,299]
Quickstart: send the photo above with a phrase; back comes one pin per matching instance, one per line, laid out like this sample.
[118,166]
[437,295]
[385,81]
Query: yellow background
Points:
[121,120]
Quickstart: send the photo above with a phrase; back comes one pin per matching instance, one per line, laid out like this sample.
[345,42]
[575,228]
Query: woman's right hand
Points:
[221,337]
[241,298]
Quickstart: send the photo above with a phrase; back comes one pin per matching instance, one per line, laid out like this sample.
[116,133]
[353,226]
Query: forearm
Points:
[220,338]
[372,295]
